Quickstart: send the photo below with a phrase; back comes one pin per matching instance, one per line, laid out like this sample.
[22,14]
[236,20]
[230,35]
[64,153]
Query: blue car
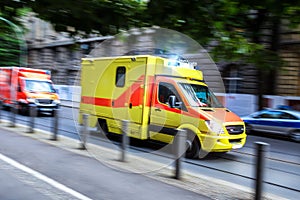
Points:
[282,122]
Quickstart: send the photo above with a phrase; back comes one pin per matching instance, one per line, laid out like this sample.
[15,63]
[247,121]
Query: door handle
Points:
[157,109]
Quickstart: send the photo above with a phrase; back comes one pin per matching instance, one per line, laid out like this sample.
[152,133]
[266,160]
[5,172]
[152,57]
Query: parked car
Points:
[282,122]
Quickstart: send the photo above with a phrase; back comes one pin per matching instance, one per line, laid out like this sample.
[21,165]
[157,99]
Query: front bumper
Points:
[47,108]
[222,143]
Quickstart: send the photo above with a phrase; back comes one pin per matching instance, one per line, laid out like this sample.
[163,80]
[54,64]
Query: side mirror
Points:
[172,102]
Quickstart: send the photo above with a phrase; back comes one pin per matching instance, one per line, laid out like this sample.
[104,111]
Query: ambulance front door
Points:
[164,118]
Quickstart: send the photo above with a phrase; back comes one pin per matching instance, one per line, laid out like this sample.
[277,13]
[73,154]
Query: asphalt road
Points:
[282,166]
[31,169]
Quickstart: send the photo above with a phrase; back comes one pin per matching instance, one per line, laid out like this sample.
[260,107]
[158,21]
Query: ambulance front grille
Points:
[235,129]
[45,101]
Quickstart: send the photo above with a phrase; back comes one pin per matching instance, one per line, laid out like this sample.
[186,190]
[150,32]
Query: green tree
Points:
[81,16]
[236,27]
[11,45]
[104,16]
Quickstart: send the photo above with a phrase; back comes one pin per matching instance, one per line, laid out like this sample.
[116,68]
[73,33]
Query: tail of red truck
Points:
[23,87]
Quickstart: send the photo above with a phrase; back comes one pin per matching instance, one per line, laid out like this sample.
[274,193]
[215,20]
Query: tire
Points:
[23,109]
[295,135]
[102,127]
[193,146]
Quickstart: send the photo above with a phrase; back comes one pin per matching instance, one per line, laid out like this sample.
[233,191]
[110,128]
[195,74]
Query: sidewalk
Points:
[137,172]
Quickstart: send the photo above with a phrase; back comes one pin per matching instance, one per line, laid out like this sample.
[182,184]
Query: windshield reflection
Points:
[200,96]
[38,86]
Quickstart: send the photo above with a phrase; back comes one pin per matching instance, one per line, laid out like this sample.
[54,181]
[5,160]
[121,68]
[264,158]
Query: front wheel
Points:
[102,127]
[23,109]
[193,146]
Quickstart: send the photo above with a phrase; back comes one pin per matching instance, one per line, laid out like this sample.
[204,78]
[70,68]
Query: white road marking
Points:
[43,178]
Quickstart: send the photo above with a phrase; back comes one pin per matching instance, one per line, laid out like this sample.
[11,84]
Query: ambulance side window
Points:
[165,90]
[120,76]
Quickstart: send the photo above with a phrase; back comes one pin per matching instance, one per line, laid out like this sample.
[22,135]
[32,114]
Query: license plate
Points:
[45,109]
[237,146]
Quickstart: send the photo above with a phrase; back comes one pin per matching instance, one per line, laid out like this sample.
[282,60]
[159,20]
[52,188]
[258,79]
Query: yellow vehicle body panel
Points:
[129,87]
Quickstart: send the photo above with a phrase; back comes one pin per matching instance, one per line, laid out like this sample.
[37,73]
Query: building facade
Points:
[62,55]
[289,74]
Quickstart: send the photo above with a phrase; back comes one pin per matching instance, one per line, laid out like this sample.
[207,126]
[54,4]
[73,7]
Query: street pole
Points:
[125,132]
[32,115]
[261,150]
[180,149]
[1,103]
[55,124]
[84,131]
[13,114]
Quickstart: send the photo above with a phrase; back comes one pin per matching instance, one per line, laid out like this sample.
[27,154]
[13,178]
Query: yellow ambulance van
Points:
[157,95]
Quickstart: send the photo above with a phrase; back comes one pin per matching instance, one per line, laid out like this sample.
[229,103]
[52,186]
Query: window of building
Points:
[232,79]
[120,76]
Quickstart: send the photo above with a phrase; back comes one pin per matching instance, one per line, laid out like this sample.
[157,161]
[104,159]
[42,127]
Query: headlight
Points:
[214,127]
[30,100]
[56,101]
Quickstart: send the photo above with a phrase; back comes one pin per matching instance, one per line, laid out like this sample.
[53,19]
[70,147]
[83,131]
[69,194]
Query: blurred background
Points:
[255,44]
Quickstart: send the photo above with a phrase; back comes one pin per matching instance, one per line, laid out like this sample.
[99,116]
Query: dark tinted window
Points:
[276,115]
[270,115]
[287,116]
[120,76]
[164,91]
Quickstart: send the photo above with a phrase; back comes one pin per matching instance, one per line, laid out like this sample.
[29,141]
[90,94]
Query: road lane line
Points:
[43,178]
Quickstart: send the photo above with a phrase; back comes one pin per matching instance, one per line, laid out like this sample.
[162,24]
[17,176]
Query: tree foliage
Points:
[234,26]
[104,16]
[11,50]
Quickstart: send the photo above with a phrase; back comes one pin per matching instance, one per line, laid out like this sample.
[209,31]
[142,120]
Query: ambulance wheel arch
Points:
[194,144]
[102,126]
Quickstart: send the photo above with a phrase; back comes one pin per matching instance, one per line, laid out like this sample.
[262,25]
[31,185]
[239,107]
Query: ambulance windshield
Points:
[200,96]
[38,86]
